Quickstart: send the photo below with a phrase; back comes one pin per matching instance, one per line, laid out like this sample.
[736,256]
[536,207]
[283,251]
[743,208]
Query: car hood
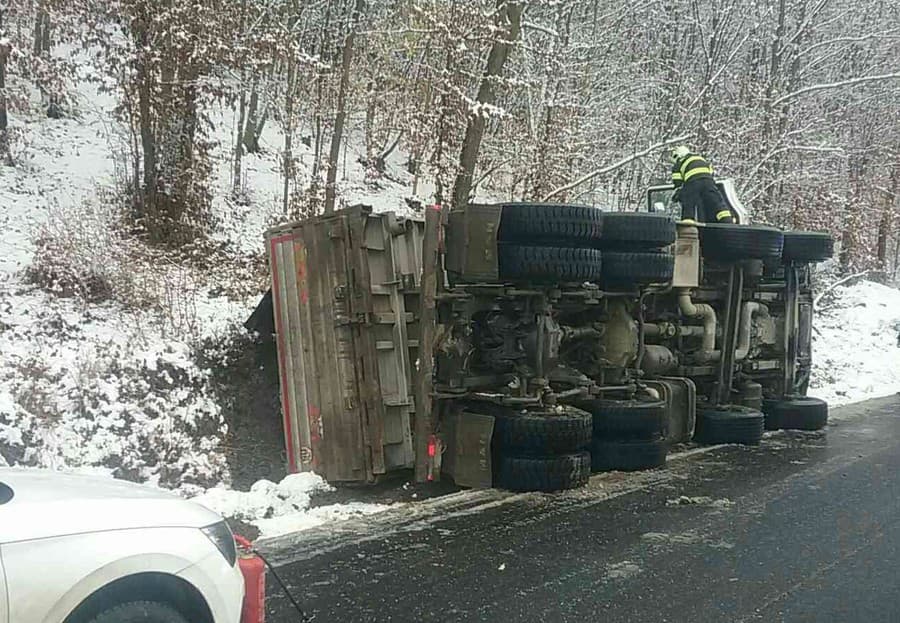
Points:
[47,504]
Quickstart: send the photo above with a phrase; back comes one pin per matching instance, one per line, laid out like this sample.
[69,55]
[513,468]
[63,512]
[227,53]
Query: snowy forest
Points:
[549,100]
[147,145]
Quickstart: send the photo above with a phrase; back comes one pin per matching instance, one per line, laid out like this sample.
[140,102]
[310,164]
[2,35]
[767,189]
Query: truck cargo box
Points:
[345,290]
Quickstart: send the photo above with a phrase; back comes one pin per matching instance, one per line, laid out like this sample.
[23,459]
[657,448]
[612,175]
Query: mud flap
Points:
[467,448]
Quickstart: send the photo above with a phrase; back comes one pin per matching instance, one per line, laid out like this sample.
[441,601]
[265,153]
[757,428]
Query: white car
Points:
[78,549]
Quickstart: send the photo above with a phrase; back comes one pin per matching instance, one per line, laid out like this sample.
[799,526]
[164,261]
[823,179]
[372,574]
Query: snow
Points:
[116,389]
[282,508]
[92,386]
[855,344]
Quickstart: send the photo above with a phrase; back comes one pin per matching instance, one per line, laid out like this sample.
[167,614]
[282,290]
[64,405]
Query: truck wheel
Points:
[140,612]
[627,419]
[628,456]
[807,246]
[729,424]
[549,264]
[624,268]
[542,433]
[549,223]
[637,230]
[557,473]
[796,413]
[728,242]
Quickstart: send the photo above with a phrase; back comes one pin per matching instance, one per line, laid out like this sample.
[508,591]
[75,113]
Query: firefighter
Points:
[696,189]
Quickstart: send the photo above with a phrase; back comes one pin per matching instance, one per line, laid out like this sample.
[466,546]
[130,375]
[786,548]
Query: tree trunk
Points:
[340,117]
[381,159]
[38,39]
[369,126]
[443,132]
[288,136]
[239,146]
[41,43]
[252,127]
[45,34]
[320,79]
[509,20]
[5,50]
[884,230]
[148,143]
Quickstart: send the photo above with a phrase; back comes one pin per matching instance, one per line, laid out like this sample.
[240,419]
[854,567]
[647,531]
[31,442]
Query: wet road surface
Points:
[805,527]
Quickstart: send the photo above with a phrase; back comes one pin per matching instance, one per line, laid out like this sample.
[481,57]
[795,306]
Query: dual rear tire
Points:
[628,435]
[541,450]
[744,425]
[577,244]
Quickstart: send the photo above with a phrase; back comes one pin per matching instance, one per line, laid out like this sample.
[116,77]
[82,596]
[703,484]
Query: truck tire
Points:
[140,612]
[628,456]
[549,264]
[556,473]
[729,242]
[637,230]
[729,424]
[807,246]
[627,419]
[542,433]
[623,268]
[796,413]
[549,223]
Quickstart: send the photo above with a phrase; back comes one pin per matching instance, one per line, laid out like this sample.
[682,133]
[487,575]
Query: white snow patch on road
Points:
[284,507]
[624,570]
[855,344]
[700,500]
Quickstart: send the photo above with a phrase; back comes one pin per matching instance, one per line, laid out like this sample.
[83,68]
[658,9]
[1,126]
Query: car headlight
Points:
[220,535]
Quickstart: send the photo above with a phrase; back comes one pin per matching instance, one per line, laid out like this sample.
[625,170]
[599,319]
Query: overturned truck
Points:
[525,346]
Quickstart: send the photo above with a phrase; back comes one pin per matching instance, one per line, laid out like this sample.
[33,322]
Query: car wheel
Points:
[729,424]
[627,419]
[729,242]
[558,473]
[628,455]
[140,612]
[630,268]
[807,246]
[796,413]
[542,433]
[637,230]
[549,223]
[549,264]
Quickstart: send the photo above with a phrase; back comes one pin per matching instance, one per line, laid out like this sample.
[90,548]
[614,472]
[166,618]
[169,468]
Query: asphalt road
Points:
[805,527]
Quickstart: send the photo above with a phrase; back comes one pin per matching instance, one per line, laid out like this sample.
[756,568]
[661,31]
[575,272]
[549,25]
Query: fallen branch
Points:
[616,165]
[837,283]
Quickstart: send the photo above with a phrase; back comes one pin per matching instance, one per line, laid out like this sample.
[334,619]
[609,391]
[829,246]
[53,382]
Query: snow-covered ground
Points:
[856,344]
[115,388]
[284,507]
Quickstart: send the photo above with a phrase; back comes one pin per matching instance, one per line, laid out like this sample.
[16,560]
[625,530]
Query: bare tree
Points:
[341,114]
[5,52]
[508,25]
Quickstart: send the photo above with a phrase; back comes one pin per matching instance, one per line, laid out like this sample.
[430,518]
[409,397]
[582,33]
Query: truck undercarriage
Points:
[565,340]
